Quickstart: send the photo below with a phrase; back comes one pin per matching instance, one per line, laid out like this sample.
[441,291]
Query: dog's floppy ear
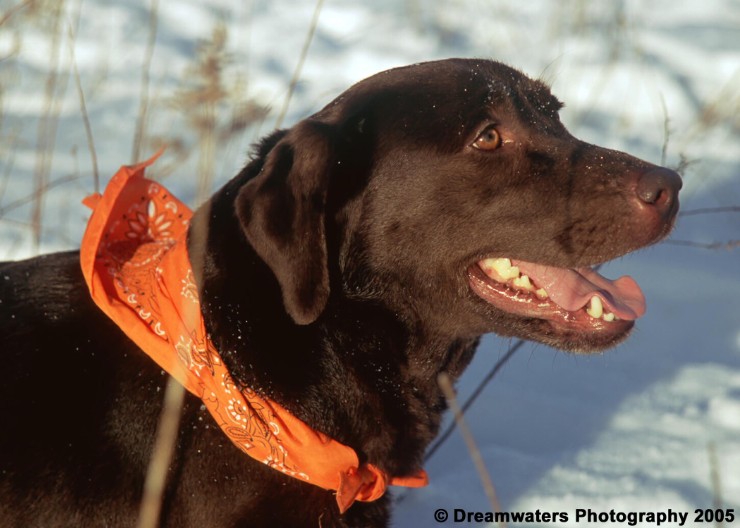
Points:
[281,212]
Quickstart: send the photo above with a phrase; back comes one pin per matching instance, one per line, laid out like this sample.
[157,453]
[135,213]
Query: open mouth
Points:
[572,300]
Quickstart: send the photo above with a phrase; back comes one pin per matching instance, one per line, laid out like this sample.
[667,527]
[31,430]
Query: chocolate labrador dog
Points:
[356,257]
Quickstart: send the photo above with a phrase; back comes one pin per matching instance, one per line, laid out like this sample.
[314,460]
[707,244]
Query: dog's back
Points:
[65,364]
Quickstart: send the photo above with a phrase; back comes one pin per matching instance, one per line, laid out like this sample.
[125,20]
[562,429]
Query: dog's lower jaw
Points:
[578,342]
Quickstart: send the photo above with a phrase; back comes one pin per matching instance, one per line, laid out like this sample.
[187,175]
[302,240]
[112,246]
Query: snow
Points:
[633,429]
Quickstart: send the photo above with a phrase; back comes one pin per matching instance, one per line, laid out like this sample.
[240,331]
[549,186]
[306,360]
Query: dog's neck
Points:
[390,407]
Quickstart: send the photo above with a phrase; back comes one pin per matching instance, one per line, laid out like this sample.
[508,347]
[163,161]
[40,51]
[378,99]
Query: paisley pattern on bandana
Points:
[135,261]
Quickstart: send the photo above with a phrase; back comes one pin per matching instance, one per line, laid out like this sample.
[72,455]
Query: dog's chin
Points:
[577,340]
[531,313]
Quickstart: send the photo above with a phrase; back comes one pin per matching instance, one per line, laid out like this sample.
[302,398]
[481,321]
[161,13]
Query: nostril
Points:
[659,188]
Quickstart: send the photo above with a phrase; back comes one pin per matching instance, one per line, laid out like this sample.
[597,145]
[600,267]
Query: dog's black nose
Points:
[659,188]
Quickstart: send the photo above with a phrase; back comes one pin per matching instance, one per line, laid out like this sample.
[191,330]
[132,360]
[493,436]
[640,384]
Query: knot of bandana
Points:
[135,262]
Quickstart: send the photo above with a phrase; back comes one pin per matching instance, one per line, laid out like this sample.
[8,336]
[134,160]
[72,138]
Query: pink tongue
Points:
[573,288]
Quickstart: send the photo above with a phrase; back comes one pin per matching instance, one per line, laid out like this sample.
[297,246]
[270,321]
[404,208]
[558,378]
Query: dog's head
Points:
[451,193]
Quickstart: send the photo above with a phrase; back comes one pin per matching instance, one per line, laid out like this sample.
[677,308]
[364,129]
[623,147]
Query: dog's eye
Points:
[489,139]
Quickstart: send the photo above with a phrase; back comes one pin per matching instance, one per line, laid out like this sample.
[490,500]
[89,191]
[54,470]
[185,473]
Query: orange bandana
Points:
[135,262]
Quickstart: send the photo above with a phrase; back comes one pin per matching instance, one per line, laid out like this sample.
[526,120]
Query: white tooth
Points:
[608,317]
[503,267]
[541,293]
[524,283]
[595,309]
[488,263]
[497,264]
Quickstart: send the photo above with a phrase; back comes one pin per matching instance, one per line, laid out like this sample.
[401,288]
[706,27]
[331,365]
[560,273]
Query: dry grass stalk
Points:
[25,200]
[214,108]
[711,210]
[46,136]
[13,10]
[201,105]
[85,115]
[9,163]
[717,503]
[301,61]
[727,245]
[441,439]
[446,385]
[205,99]
[141,120]
[666,131]
[164,447]
[724,108]
[169,419]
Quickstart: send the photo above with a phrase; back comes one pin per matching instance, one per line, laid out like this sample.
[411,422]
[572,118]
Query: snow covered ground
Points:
[631,430]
